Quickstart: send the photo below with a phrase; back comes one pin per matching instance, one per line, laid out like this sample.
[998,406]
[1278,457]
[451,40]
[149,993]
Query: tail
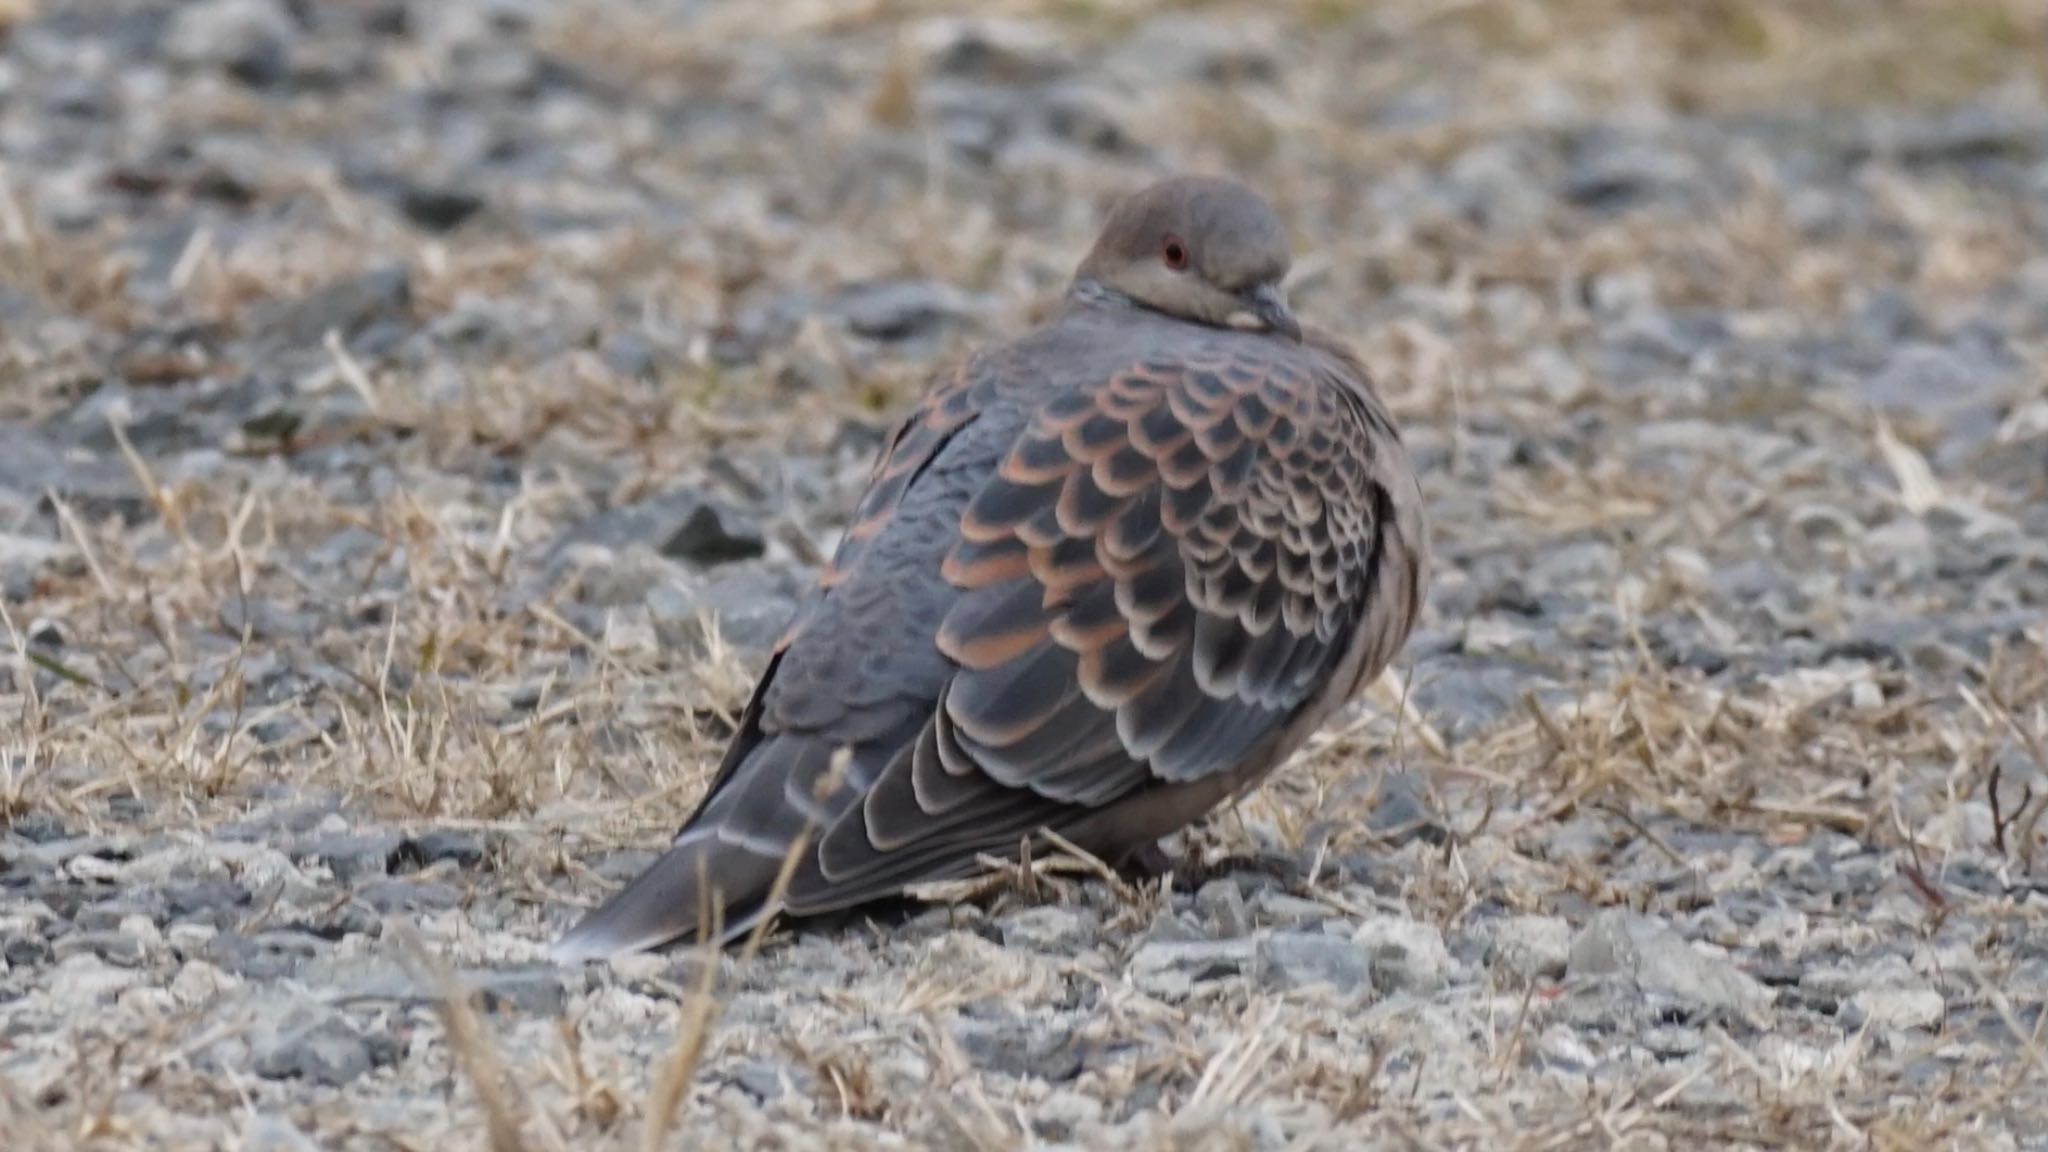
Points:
[699,882]
[723,867]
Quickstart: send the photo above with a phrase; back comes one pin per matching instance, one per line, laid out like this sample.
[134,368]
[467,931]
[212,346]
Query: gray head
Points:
[1200,248]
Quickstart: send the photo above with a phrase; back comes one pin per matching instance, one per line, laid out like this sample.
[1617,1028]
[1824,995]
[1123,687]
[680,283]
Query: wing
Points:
[849,677]
[1164,572]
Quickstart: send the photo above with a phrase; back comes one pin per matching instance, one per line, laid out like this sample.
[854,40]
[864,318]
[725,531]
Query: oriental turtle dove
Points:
[1105,577]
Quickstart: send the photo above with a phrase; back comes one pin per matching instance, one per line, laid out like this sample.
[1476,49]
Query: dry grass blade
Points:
[468,1040]
[1093,863]
[701,1010]
[380,434]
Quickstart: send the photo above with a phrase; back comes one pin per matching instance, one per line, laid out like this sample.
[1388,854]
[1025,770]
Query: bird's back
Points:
[846,709]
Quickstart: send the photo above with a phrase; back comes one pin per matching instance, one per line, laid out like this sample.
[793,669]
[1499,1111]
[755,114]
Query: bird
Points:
[1103,578]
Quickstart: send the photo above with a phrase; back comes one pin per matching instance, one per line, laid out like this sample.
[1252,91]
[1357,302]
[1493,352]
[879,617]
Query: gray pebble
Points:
[1171,969]
[1527,947]
[1660,964]
[393,896]
[264,1132]
[1221,903]
[1402,813]
[319,1045]
[1407,955]
[749,605]
[1271,906]
[535,991]
[1047,929]
[466,849]
[899,309]
[349,307]
[118,948]
[1911,1006]
[246,38]
[352,858]
[1302,959]
[1018,1047]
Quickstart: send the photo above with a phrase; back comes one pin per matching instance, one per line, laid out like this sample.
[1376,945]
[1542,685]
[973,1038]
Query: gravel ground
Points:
[415,420]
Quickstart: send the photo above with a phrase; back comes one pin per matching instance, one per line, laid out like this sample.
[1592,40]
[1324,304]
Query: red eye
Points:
[1173,252]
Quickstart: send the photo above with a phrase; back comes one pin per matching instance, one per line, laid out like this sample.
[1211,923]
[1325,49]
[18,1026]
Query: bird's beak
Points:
[1265,309]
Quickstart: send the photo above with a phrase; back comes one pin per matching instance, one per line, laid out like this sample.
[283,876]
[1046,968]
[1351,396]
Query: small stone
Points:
[629,354]
[1661,964]
[263,1132]
[1407,955]
[36,828]
[439,208]
[1529,947]
[1273,907]
[87,979]
[248,39]
[1303,959]
[24,558]
[392,896]
[349,307]
[1221,903]
[899,309]
[320,1046]
[536,991]
[1218,50]
[60,853]
[1402,813]
[121,913]
[213,900]
[1609,173]
[1060,1115]
[1917,1006]
[466,849]
[711,535]
[265,956]
[352,859]
[748,605]
[993,51]
[763,1080]
[1047,929]
[680,524]
[1020,1048]
[19,951]
[117,948]
[1171,968]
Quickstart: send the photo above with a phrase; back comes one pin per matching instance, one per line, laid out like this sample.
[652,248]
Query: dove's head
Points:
[1200,248]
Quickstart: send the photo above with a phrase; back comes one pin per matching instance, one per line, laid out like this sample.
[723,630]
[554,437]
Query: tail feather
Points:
[700,881]
[724,864]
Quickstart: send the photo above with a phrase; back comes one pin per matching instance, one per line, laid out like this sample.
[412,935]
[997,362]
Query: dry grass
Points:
[419,698]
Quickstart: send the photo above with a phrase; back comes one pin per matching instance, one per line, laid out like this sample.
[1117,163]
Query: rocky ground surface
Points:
[415,419]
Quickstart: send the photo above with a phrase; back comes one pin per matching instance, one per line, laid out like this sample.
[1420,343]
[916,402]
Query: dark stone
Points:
[535,991]
[115,947]
[394,896]
[898,309]
[322,1047]
[38,827]
[1015,1047]
[209,901]
[349,307]
[466,849]
[711,535]
[266,956]
[439,208]
[352,858]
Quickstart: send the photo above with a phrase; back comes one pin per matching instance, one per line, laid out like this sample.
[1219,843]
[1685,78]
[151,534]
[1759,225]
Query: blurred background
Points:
[416,420]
